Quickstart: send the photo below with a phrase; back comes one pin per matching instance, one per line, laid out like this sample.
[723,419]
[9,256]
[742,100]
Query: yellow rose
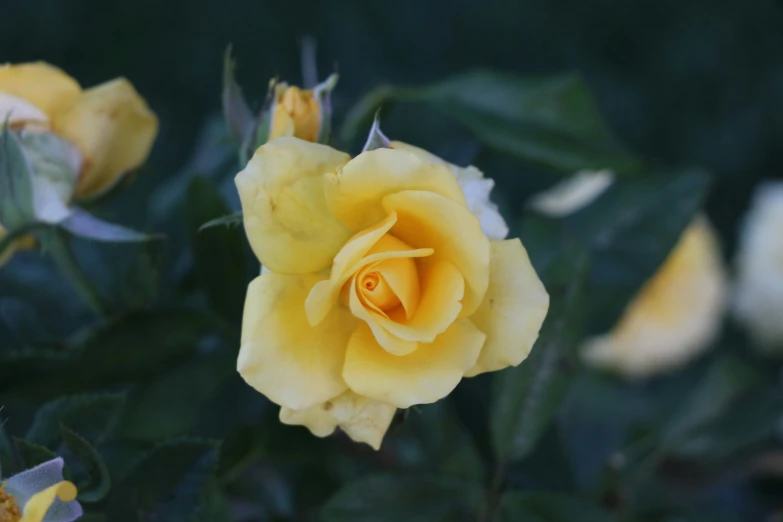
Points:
[675,315]
[296,112]
[110,124]
[381,290]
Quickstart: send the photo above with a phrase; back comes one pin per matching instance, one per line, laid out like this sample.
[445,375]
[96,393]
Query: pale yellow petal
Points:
[114,129]
[426,375]
[45,86]
[282,123]
[294,364]
[286,220]
[429,220]
[676,314]
[513,309]
[362,419]
[442,290]
[35,509]
[354,192]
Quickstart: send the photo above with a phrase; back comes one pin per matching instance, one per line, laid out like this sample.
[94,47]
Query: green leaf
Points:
[83,224]
[230,220]
[16,189]
[216,251]
[526,398]
[215,508]
[92,415]
[8,462]
[147,342]
[413,498]
[166,485]
[526,506]
[170,406]
[753,419]
[552,121]
[432,439]
[98,482]
[725,381]
[33,454]
[239,118]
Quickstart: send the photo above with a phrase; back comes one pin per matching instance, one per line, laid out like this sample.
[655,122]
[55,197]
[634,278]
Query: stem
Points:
[493,495]
[61,252]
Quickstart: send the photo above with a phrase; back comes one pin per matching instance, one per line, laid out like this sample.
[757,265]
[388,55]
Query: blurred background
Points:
[678,84]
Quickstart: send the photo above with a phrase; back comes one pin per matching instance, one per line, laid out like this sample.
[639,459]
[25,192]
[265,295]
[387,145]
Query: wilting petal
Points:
[426,219]
[43,85]
[513,309]
[362,419]
[41,491]
[424,376]
[294,364]
[354,192]
[113,128]
[286,219]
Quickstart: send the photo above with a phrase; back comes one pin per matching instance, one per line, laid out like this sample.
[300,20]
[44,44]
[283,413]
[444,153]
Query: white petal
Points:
[572,194]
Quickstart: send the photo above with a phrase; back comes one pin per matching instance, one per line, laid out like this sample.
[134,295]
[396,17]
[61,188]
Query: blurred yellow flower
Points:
[675,315]
[758,296]
[39,494]
[381,290]
[110,124]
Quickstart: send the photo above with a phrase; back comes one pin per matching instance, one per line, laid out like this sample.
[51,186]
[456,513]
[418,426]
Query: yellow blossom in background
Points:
[675,315]
[381,290]
[39,494]
[296,112]
[110,124]
[758,294]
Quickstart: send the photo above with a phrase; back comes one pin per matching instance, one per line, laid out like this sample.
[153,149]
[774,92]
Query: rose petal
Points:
[475,187]
[362,419]
[286,219]
[43,85]
[354,192]
[113,128]
[442,290]
[294,364]
[429,220]
[513,310]
[369,246]
[426,375]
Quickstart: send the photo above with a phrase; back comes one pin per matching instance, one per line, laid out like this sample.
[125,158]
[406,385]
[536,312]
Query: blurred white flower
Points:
[758,294]
[675,315]
[572,194]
